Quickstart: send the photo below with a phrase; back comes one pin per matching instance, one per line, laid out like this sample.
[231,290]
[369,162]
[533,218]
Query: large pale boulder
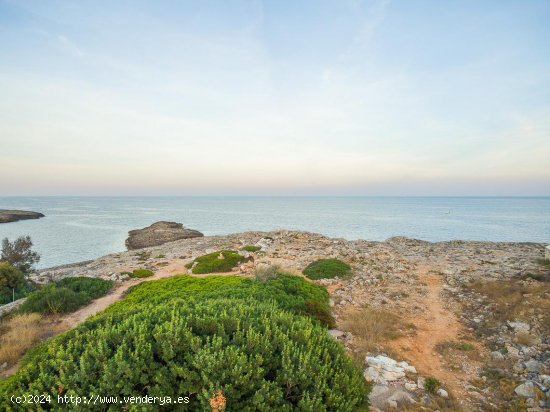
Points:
[158,234]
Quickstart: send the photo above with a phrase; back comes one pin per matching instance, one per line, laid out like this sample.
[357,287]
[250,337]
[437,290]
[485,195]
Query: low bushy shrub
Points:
[13,284]
[65,296]
[289,292]
[327,269]
[92,287]
[217,262]
[141,273]
[260,356]
[21,292]
[431,385]
[53,300]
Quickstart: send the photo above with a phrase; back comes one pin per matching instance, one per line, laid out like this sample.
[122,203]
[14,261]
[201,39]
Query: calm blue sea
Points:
[81,228]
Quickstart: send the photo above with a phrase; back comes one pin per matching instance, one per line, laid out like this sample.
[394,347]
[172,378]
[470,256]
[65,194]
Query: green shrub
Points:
[141,273]
[92,287]
[21,292]
[431,385]
[251,248]
[51,299]
[327,269]
[288,291]
[11,279]
[260,356]
[221,261]
[65,296]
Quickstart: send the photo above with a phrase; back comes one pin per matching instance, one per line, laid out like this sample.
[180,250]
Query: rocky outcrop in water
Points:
[7,216]
[158,234]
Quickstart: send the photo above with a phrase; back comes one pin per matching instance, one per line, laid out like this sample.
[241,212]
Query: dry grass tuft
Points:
[526,339]
[21,332]
[516,299]
[373,327]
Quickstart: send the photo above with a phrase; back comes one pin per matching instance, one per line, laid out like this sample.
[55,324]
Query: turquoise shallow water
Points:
[81,228]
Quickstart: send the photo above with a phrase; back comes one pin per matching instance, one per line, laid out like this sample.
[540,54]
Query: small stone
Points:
[496,355]
[335,333]
[526,389]
[443,393]
[420,382]
[533,365]
[411,386]
[519,326]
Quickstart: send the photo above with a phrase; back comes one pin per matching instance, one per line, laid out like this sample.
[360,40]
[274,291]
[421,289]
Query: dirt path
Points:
[176,267]
[173,268]
[438,324]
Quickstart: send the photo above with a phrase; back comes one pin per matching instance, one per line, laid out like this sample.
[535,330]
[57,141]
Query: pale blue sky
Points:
[275,97]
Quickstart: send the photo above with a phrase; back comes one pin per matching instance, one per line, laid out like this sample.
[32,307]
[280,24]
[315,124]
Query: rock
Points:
[264,243]
[545,380]
[526,389]
[159,233]
[407,367]
[384,397]
[7,216]
[443,393]
[335,333]
[519,326]
[381,368]
[3,366]
[496,355]
[411,386]
[244,254]
[533,365]
[420,382]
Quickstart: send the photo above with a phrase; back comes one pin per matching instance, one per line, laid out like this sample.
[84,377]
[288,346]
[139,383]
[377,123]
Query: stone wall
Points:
[9,307]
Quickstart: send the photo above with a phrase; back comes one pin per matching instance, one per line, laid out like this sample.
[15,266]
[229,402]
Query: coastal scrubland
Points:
[448,326]
[255,341]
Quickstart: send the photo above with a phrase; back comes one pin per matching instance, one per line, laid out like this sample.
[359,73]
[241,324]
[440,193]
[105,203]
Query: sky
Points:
[282,97]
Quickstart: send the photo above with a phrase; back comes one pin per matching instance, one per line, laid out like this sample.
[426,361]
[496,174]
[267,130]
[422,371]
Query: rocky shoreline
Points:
[8,216]
[405,277]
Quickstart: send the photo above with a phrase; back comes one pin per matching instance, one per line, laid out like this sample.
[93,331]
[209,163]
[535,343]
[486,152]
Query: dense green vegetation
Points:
[12,283]
[141,273]
[92,287]
[290,292]
[16,261]
[217,262]
[65,296]
[251,248]
[327,269]
[186,336]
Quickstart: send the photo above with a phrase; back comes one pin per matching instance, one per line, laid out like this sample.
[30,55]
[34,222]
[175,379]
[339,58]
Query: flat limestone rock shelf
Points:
[158,234]
[7,216]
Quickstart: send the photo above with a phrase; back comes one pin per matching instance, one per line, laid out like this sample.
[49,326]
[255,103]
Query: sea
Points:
[83,228]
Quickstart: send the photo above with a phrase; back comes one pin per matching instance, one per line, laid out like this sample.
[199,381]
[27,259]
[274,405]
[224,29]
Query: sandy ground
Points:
[437,324]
